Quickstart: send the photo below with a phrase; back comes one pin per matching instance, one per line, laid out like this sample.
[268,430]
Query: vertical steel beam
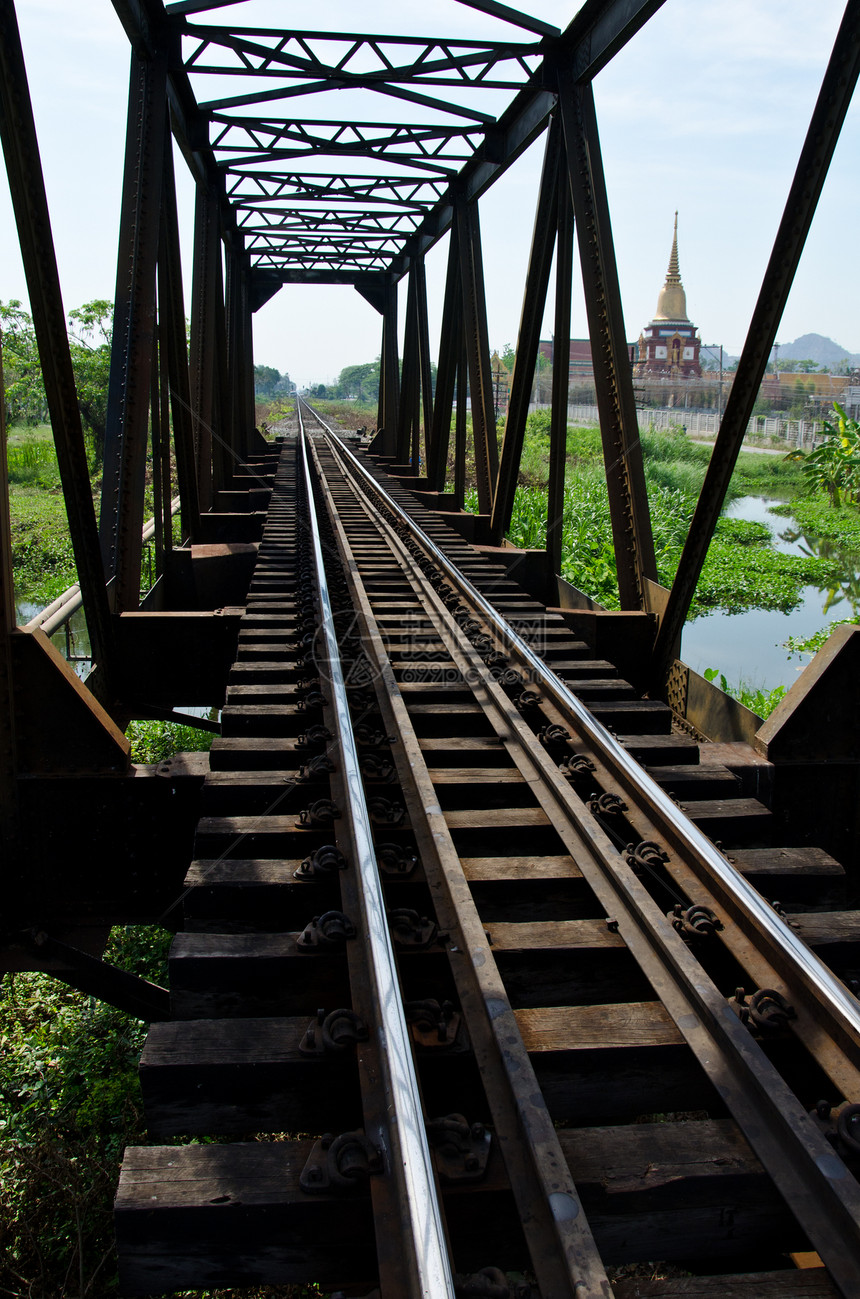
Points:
[30,204]
[133,329]
[450,346]
[160,433]
[174,348]
[460,427]
[613,379]
[409,413]
[478,352]
[8,750]
[161,470]
[202,358]
[240,357]
[528,339]
[560,380]
[223,450]
[426,375]
[834,98]
[249,409]
[389,370]
[233,425]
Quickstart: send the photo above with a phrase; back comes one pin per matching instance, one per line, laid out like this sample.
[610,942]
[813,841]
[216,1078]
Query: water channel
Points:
[749,646]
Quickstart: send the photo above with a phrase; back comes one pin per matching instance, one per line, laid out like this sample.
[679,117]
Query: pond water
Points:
[75,646]
[749,646]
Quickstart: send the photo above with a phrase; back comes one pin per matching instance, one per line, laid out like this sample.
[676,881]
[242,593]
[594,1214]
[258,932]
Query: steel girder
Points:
[528,341]
[133,330]
[560,380]
[27,188]
[613,374]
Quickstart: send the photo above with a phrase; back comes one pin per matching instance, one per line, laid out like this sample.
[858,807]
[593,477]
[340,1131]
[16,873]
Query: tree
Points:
[24,391]
[266,377]
[90,333]
[360,381]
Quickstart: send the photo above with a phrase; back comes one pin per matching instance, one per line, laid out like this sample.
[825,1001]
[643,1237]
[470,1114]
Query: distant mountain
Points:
[815,347]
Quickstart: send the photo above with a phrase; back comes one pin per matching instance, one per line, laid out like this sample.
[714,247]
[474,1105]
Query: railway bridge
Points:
[478,879]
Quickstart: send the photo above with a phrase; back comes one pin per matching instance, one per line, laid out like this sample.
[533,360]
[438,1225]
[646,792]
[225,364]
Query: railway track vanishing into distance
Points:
[468,1002]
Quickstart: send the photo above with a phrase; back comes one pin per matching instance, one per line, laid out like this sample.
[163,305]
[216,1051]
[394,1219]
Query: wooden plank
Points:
[520,868]
[678,778]
[261,871]
[496,818]
[555,935]
[656,750]
[476,776]
[754,1285]
[444,710]
[476,743]
[647,716]
[233,753]
[645,1157]
[251,975]
[725,809]
[784,861]
[827,928]
[597,1028]
[243,1075]
[223,1215]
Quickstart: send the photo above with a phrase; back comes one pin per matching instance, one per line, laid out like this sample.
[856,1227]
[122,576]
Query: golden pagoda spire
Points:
[673,275]
[672,302]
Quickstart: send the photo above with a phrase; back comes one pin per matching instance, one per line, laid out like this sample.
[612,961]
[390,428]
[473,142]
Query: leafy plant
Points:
[759,701]
[810,645]
[157,741]
[834,465]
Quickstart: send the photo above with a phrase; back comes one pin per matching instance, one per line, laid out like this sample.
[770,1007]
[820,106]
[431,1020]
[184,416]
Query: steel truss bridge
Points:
[477,875]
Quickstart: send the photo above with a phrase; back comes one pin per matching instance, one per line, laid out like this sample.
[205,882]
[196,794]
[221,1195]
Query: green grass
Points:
[42,559]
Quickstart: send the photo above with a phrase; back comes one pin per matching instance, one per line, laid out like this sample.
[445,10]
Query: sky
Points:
[704,111]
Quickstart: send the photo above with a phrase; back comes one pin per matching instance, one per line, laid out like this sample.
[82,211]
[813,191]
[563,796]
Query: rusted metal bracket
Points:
[326,933]
[321,863]
[333,1033]
[460,1150]
[765,1012]
[434,1026]
[694,923]
[394,859]
[340,1165]
[322,812]
[408,929]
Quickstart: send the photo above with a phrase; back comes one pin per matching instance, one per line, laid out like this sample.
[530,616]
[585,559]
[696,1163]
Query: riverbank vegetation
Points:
[742,570]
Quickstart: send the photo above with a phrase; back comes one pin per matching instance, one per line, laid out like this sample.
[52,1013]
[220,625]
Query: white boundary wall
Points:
[794,432]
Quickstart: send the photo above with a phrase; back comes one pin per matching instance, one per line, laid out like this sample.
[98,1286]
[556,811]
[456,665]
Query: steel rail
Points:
[841,1004]
[407,1150]
[809,1175]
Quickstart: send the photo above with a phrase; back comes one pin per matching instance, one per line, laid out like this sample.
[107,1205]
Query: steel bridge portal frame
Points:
[264,217]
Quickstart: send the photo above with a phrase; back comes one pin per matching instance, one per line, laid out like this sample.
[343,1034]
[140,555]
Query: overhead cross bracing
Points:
[256,137]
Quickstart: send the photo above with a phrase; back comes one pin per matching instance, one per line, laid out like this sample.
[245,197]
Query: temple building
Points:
[669,344]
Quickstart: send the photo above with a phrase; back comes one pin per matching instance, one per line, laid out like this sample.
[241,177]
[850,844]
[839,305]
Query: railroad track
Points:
[442,921]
